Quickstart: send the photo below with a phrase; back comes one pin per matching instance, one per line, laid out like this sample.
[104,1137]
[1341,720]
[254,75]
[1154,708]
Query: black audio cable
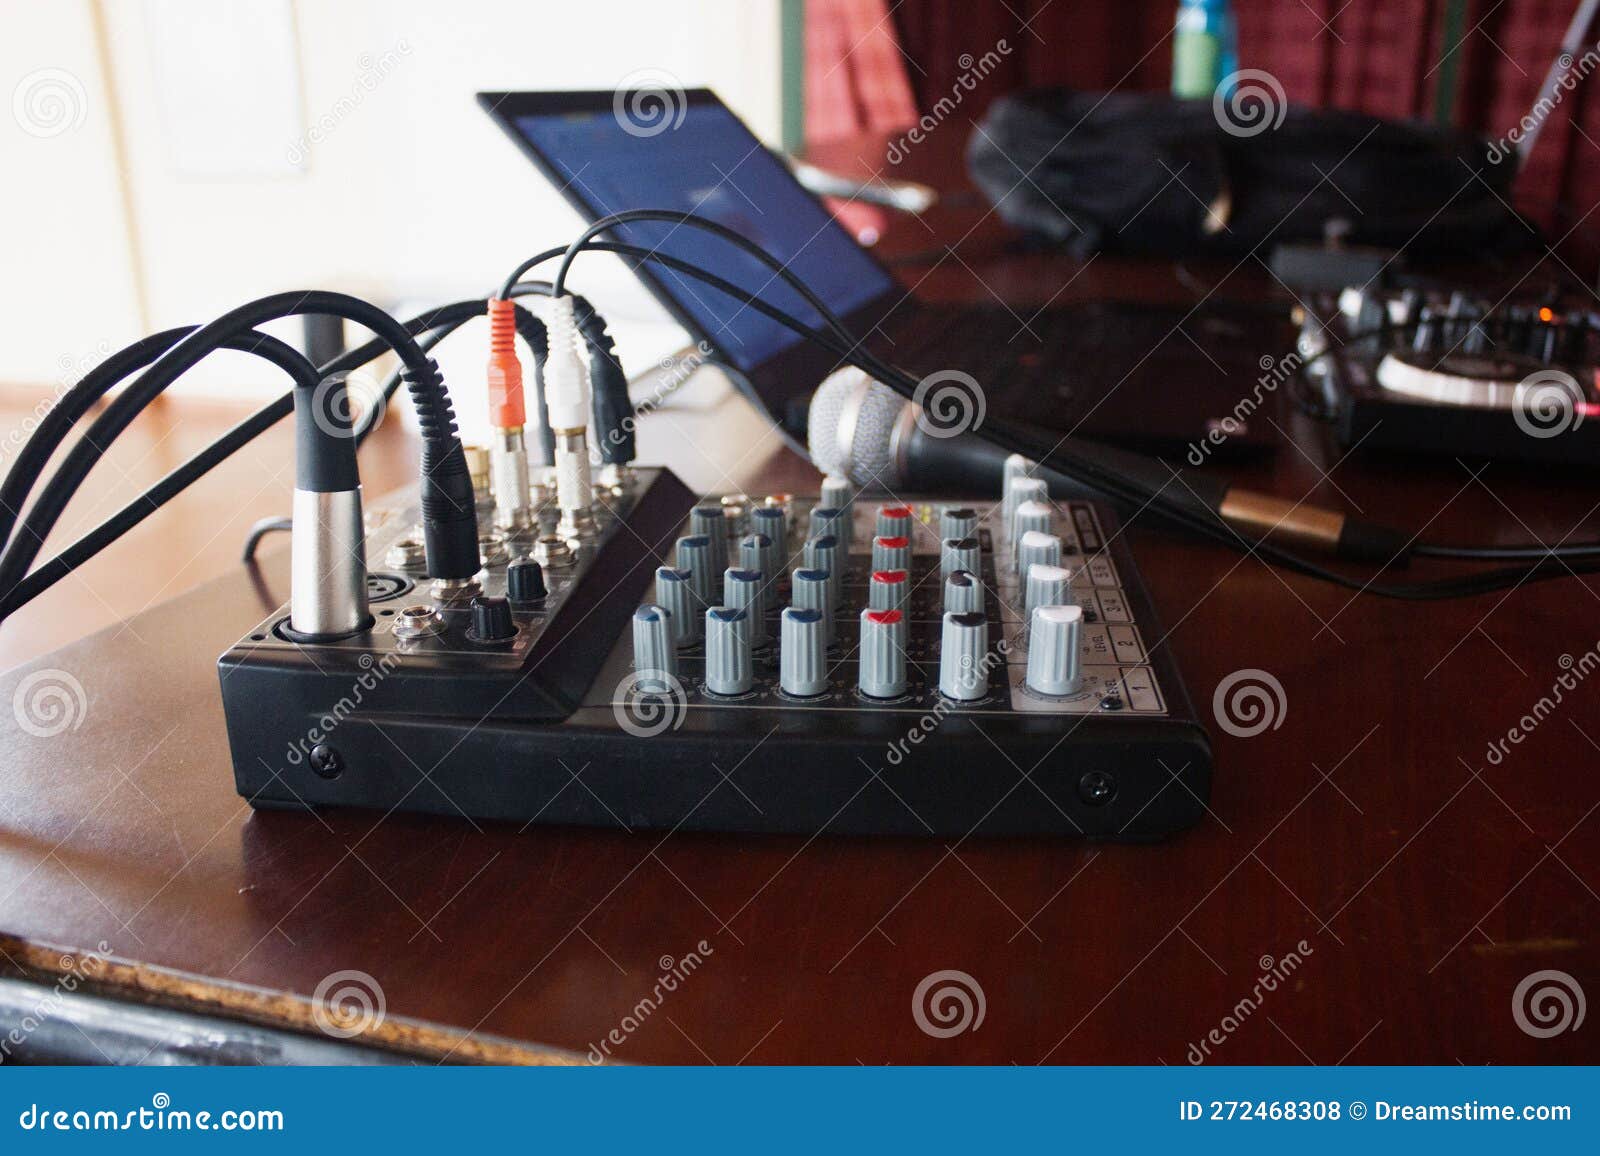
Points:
[529,328]
[57,423]
[429,328]
[306,379]
[449,518]
[178,350]
[1551,564]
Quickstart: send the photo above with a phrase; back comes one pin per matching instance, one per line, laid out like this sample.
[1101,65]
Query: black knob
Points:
[525,581]
[491,620]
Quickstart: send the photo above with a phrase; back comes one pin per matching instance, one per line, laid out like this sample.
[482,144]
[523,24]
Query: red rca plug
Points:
[506,410]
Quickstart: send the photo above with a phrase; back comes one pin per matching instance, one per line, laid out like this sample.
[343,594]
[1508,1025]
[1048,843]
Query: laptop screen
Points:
[710,164]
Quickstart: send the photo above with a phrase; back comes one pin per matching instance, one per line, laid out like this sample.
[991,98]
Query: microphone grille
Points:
[850,426]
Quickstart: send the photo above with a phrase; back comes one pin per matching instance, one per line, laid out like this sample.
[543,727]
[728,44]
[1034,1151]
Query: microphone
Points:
[863,430]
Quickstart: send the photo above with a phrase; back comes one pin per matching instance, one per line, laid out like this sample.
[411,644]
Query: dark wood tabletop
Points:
[1370,885]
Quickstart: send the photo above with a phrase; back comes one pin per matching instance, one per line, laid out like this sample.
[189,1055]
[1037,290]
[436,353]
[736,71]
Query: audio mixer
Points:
[761,663]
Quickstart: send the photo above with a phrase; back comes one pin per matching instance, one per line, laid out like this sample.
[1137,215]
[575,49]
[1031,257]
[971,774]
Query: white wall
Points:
[405,191]
[67,289]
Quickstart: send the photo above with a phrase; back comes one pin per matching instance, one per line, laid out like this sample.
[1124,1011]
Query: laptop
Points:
[1151,377]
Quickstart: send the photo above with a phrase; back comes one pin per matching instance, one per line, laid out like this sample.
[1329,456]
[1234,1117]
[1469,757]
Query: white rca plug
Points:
[566,388]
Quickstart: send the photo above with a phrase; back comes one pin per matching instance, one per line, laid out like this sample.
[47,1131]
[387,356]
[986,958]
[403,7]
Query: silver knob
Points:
[675,594]
[958,522]
[824,554]
[883,654]
[894,521]
[759,552]
[1047,586]
[836,491]
[891,553]
[746,590]
[889,590]
[728,663]
[1016,466]
[803,656]
[1053,658]
[655,658]
[1022,489]
[829,522]
[963,657]
[694,555]
[963,593]
[1038,549]
[813,590]
[1030,516]
[774,523]
[959,554]
[713,524]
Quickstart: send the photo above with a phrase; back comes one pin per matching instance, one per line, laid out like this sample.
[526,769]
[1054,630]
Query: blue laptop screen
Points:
[711,165]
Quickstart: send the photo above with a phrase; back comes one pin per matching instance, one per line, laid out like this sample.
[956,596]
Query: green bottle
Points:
[1201,48]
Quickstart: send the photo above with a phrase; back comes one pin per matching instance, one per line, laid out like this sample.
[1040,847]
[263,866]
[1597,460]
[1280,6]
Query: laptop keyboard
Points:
[1067,361]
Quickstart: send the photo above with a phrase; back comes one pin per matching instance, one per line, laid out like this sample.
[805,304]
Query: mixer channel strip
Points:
[1116,675]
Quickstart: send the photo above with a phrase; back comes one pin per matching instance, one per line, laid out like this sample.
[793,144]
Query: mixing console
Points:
[743,662]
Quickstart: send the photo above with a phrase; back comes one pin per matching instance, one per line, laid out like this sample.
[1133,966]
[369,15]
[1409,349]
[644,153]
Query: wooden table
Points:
[1367,848]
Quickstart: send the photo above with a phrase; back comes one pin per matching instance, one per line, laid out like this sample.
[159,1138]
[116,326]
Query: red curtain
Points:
[856,77]
[1376,56]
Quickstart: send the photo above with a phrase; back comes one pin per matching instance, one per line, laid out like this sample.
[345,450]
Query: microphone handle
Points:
[967,462]
[936,464]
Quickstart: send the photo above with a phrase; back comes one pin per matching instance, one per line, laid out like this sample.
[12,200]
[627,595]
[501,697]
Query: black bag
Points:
[1146,174]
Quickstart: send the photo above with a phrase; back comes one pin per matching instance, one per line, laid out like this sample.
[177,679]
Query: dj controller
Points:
[757,663]
[1446,371]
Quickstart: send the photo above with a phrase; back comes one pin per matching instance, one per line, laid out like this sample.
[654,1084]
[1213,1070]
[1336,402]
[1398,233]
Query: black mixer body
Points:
[552,724]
